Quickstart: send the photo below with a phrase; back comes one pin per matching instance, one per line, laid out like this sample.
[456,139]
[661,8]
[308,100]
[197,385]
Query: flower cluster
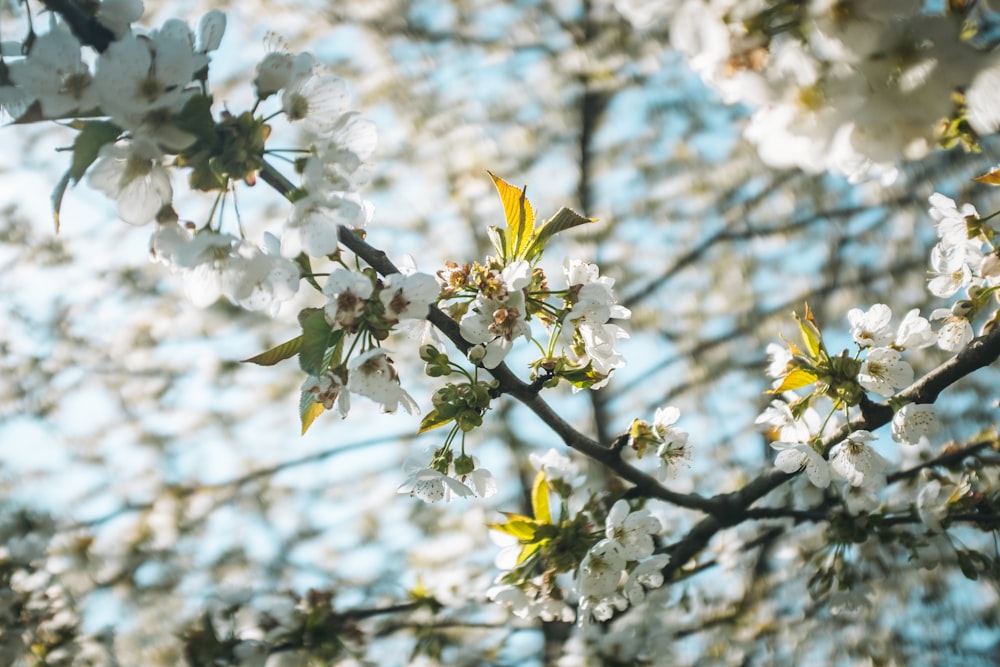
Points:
[798,431]
[496,301]
[670,442]
[844,86]
[964,258]
[626,553]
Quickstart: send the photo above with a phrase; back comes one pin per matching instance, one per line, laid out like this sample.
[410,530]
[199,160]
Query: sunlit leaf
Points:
[795,380]
[528,550]
[522,528]
[309,410]
[286,350]
[433,420]
[992,178]
[520,217]
[811,335]
[540,498]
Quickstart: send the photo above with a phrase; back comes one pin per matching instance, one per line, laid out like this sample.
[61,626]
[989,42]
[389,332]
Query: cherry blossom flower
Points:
[138,74]
[955,332]
[430,485]
[278,70]
[914,332]
[884,371]
[496,325]
[856,462]
[795,456]
[258,280]
[55,74]
[312,226]
[914,423]
[632,532]
[871,328]
[673,448]
[329,389]
[408,296]
[317,102]
[338,160]
[347,293]
[555,465]
[130,172]
[950,272]
[373,376]
[601,570]
[647,574]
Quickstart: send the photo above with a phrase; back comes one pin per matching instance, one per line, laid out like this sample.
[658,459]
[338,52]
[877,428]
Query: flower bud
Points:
[476,354]
[962,308]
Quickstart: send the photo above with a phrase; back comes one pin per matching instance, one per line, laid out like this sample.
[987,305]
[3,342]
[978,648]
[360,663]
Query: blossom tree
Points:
[850,502]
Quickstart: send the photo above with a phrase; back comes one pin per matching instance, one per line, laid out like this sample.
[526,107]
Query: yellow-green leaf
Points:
[309,415]
[522,528]
[795,380]
[992,178]
[433,420]
[528,550]
[811,335]
[540,499]
[286,350]
[520,216]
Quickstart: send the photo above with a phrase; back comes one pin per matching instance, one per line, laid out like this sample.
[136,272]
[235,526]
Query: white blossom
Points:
[955,332]
[871,328]
[317,101]
[55,74]
[883,371]
[632,531]
[347,293]
[430,485]
[601,570]
[130,172]
[856,462]
[373,376]
[408,296]
[647,574]
[914,423]
[914,332]
[794,456]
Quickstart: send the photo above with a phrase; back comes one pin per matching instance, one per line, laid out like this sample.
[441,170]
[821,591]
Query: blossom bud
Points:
[962,308]
[476,354]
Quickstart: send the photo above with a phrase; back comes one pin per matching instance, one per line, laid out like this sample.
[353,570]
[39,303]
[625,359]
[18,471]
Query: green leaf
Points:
[433,420]
[540,499]
[87,145]
[317,338]
[286,350]
[564,219]
[520,216]
[57,196]
[309,410]
[196,118]
[795,380]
